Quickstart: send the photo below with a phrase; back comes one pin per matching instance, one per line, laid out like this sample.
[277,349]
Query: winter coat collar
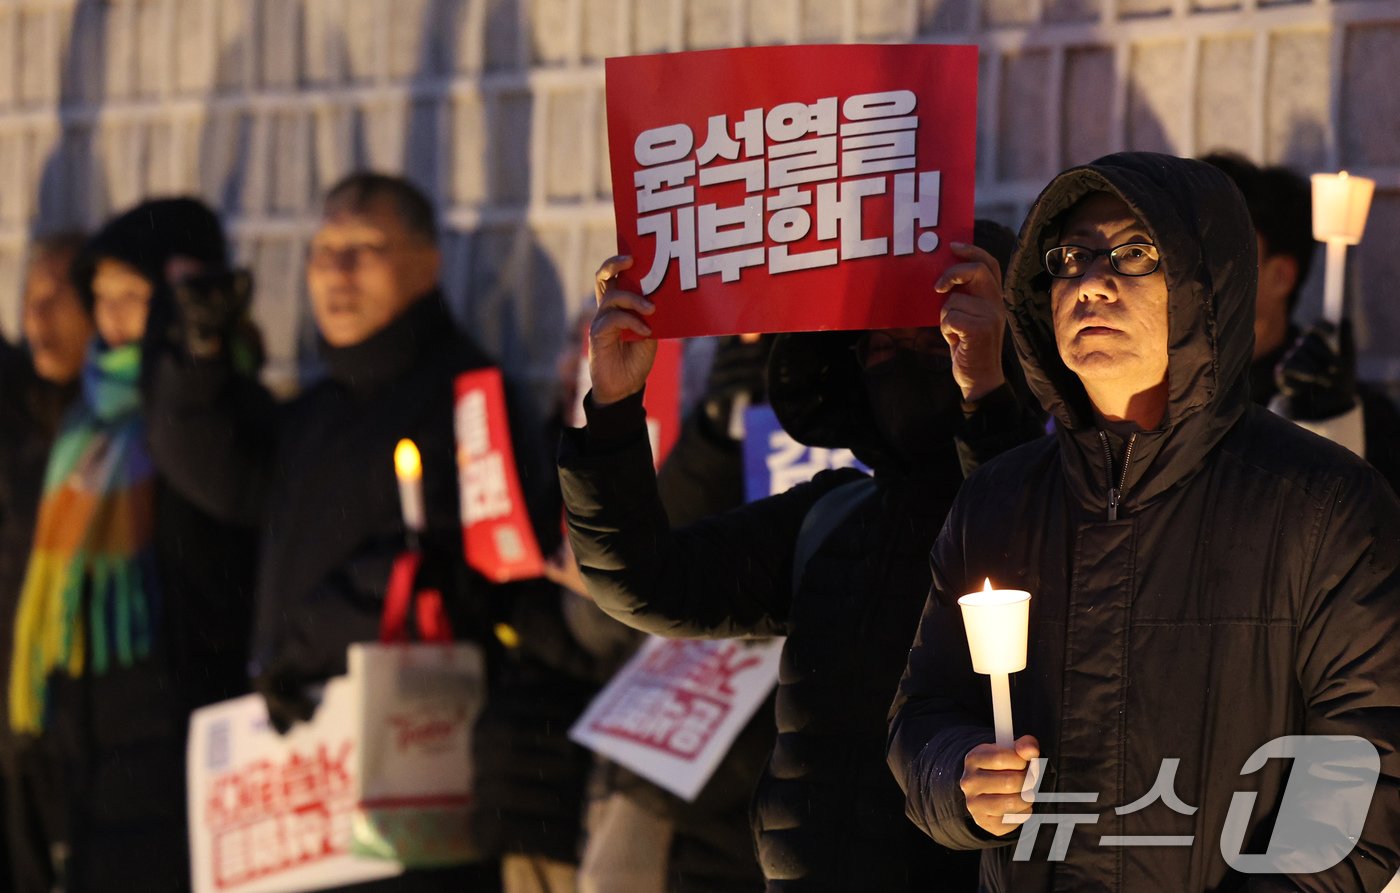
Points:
[393,350]
[1201,224]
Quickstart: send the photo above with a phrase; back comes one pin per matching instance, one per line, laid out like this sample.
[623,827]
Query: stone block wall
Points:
[496,108]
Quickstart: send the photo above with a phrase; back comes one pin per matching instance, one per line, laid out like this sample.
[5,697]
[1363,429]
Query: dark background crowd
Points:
[171,535]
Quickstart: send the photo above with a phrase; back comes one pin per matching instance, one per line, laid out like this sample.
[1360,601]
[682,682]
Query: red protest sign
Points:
[499,540]
[800,188]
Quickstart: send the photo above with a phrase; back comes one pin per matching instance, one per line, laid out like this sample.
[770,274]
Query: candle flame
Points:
[987,587]
[407,463]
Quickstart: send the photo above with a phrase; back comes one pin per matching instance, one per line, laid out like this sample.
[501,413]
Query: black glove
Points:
[1317,375]
[288,702]
[208,310]
[740,370]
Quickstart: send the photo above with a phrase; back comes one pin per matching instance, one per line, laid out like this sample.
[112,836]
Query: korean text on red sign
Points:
[792,188]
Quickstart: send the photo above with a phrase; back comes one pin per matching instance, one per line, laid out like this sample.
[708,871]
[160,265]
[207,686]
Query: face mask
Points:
[914,407]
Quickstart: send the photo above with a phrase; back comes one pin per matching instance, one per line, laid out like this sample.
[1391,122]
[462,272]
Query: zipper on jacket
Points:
[1115,493]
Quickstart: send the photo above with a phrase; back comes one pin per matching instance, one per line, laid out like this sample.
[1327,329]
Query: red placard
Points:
[803,188]
[500,543]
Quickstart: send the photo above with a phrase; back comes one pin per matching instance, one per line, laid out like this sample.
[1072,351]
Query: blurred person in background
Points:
[1306,376]
[38,382]
[316,474]
[135,604]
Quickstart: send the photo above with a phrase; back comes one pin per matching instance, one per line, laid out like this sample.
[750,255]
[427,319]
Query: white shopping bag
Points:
[270,813]
[419,705]
[672,713]
[379,780]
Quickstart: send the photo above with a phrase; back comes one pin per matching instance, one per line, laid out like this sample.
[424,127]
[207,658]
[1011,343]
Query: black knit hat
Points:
[148,236]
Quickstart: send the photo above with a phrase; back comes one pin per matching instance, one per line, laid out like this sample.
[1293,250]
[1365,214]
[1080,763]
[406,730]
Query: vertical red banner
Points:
[500,543]
[662,399]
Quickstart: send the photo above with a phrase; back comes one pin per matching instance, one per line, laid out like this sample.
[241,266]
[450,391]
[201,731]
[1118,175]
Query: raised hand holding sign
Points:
[618,365]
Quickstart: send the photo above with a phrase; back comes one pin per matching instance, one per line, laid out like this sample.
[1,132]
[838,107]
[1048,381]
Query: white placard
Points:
[672,713]
[271,813]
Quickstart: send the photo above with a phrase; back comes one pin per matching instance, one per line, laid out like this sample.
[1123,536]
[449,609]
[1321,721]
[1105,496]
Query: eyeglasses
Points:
[928,346]
[327,256]
[1129,259]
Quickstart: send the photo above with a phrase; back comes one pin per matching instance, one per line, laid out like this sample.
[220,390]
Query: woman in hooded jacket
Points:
[136,606]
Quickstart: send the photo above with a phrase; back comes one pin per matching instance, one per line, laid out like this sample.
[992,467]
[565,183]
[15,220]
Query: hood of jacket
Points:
[815,388]
[1200,223]
[818,392]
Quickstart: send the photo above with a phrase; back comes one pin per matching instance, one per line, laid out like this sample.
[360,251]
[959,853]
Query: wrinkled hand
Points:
[1318,373]
[208,308]
[992,780]
[973,320]
[618,367]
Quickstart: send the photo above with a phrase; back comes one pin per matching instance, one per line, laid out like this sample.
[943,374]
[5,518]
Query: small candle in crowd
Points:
[408,466]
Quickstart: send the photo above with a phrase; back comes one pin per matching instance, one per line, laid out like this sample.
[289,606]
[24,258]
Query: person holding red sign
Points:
[1215,593]
[826,816]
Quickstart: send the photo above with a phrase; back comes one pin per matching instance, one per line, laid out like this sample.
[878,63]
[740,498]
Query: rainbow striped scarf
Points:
[88,592]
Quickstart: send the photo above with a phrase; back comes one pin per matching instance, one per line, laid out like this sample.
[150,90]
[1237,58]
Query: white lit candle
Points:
[1341,204]
[998,622]
[408,467]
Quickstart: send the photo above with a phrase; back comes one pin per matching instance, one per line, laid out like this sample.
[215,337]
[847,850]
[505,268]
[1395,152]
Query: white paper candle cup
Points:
[997,622]
[1341,204]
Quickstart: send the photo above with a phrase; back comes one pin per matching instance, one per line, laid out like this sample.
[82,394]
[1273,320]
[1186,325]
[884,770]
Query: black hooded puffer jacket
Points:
[826,813]
[1249,589]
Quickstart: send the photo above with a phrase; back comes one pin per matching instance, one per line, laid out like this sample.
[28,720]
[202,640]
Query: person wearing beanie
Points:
[135,604]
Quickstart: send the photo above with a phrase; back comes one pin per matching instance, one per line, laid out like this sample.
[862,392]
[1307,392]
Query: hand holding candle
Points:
[997,622]
[1341,203]
[408,467]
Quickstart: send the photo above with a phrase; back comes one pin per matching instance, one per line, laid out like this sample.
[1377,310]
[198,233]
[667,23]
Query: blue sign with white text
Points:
[775,463]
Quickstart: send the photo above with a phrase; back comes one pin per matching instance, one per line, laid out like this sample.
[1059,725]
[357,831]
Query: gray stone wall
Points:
[496,108]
